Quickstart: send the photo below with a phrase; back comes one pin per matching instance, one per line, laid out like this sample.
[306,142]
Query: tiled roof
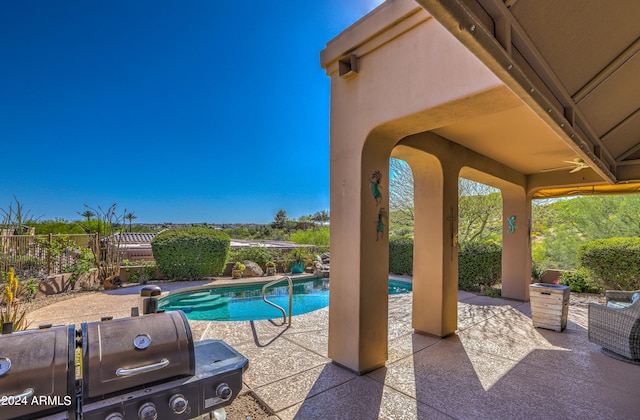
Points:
[130,238]
[135,238]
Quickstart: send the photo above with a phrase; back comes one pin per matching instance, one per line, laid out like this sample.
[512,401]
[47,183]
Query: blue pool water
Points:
[245,303]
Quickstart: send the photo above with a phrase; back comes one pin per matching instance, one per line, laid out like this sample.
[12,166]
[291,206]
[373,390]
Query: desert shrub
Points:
[57,226]
[298,255]
[614,262]
[318,237]
[322,249]
[479,264]
[190,253]
[259,254]
[11,310]
[238,232]
[536,271]
[401,255]
[579,281]
[139,271]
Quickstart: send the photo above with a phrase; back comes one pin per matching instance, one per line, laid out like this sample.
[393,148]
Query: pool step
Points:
[194,300]
[201,308]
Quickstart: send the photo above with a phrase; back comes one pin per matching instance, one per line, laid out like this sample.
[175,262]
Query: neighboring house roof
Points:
[141,239]
[134,237]
[244,243]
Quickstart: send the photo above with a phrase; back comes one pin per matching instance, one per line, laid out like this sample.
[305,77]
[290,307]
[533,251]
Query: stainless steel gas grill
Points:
[37,376]
[148,367]
[216,383]
[142,367]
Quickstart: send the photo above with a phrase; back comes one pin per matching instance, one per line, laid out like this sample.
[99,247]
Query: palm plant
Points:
[87,214]
[130,217]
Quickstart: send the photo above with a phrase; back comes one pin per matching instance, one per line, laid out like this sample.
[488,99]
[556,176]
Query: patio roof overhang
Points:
[576,66]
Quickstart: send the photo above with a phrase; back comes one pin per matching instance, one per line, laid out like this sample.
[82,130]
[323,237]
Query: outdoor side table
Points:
[549,306]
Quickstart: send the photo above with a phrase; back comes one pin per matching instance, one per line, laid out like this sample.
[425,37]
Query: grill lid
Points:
[130,352]
[37,364]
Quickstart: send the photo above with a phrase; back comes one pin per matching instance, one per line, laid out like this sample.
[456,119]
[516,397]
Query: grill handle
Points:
[142,369]
[25,394]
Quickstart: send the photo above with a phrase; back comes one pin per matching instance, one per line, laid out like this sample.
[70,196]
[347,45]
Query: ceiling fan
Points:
[576,165]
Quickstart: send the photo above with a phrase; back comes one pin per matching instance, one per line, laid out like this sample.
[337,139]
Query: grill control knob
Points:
[114,416]
[148,411]
[223,391]
[178,404]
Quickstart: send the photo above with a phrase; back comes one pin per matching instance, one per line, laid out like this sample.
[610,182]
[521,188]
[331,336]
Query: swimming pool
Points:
[244,303]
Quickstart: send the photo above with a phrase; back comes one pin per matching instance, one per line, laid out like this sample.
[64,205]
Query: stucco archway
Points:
[401,79]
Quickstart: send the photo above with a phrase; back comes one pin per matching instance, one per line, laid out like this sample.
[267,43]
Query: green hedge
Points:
[317,236]
[401,255]
[615,262]
[479,263]
[190,253]
[579,281]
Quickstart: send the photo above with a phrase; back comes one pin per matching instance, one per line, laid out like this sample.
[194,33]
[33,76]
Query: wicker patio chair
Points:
[617,330]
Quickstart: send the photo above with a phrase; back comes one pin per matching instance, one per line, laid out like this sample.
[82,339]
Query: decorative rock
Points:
[321,264]
[252,269]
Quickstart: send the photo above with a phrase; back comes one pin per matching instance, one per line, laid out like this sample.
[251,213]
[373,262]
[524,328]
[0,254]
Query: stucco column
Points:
[435,254]
[516,244]
[358,313]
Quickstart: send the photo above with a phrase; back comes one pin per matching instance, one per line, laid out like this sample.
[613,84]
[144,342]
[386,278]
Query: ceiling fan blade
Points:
[560,168]
[577,168]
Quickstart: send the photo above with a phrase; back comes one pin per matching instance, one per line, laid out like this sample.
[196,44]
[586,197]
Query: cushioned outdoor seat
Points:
[616,327]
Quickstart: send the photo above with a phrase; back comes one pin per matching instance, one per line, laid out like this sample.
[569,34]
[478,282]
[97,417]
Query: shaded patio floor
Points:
[497,366]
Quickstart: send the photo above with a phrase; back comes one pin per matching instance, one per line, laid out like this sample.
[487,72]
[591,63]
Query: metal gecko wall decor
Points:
[512,224]
[374,182]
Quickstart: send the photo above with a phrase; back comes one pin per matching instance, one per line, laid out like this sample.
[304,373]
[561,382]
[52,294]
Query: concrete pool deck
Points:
[496,366]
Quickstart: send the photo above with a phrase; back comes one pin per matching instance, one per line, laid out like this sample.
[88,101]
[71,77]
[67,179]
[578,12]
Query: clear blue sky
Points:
[181,111]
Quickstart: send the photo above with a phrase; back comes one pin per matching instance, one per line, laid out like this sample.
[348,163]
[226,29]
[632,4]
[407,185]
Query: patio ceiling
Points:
[576,65]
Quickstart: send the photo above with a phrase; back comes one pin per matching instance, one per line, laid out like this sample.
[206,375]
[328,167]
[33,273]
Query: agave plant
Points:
[12,311]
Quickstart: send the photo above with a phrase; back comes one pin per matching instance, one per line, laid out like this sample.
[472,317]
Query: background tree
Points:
[479,211]
[560,226]
[400,188]
[130,217]
[280,219]
[87,214]
[305,221]
[321,216]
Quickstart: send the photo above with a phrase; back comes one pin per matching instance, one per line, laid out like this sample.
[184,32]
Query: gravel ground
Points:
[246,407]
[51,299]
[583,299]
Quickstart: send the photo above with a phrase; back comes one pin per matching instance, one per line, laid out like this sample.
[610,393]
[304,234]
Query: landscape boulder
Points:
[252,269]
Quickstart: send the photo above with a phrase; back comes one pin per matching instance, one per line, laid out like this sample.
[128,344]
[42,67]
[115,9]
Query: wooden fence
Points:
[46,254]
